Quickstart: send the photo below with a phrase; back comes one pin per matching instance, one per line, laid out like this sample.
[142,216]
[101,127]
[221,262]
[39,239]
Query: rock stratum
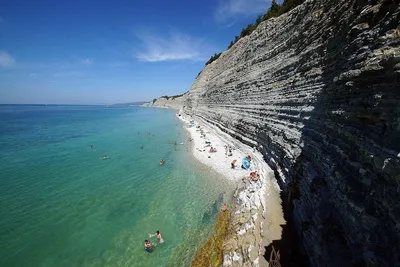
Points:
[317,91]
[173,102]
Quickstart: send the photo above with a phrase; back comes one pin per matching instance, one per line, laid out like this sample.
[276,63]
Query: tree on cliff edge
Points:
[275,10]
[288,5]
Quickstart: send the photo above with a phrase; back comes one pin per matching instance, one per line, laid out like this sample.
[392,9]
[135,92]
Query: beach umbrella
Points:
[245,163]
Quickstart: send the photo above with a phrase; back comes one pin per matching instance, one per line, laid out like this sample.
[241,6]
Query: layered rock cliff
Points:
[317,91]
[174,102]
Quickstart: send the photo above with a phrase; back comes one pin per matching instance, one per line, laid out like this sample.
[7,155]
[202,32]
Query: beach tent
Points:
[245,163]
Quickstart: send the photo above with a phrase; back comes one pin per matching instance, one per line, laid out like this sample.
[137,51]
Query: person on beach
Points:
[233,164]
[212,150]
[148,246]
[254,176]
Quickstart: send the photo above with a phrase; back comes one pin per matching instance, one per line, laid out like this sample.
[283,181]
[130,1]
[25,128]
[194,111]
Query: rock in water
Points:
[209,215]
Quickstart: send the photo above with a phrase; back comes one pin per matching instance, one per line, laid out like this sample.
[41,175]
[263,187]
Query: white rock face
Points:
[170,102]
[316,91]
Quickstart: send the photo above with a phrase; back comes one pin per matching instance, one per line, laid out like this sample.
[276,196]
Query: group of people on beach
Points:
[254,176]
[228,150]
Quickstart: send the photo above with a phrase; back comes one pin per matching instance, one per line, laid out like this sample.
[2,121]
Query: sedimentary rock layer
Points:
[167,102]
[317,91]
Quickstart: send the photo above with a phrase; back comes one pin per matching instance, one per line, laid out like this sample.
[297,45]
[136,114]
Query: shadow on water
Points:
[209,215]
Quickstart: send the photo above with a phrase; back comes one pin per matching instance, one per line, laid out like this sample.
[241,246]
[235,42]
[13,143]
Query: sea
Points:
[83,186]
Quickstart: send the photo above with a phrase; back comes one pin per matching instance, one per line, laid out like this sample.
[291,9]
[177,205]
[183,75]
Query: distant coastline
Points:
[129,104]
[87,105]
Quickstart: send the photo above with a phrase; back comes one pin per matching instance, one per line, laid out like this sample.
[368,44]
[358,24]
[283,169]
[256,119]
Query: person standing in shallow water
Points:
[159,237]
[148,246]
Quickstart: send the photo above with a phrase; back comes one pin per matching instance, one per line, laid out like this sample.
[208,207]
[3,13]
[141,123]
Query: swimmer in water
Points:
[141,147]
[158,235]
[105,157]
[162,162]
[148,246]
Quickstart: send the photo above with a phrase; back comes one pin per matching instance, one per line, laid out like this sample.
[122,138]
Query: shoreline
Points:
[257,214]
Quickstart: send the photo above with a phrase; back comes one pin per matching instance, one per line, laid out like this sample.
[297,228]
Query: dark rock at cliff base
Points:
[317,90]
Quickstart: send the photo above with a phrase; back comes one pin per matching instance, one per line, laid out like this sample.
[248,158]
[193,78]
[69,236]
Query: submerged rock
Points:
[209,215]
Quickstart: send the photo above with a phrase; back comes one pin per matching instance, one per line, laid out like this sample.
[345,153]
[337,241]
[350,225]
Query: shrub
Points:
[213,58]
[275,10]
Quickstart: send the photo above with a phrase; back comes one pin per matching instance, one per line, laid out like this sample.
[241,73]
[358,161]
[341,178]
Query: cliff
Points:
[316,90]
[174,102]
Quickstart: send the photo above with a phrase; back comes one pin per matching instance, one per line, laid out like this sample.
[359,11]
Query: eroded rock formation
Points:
[317,90]
[174,102]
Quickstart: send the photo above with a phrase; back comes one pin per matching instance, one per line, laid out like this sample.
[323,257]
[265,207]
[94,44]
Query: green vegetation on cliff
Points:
[275,10]
[168,97]
[213,58]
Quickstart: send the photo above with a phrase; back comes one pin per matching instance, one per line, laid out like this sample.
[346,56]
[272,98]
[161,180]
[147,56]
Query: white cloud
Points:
[228,11]
[6,60]
[86,61]
[174,47]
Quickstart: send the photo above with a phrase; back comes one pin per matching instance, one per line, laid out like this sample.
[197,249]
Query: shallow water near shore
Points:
[63,205]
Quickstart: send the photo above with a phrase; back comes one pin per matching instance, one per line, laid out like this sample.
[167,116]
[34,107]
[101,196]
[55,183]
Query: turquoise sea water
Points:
[62,205]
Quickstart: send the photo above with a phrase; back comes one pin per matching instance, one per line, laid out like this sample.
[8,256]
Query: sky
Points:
[105,52]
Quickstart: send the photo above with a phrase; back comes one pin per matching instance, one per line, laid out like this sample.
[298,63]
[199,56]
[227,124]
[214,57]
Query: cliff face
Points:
[317,91]
[170,102]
